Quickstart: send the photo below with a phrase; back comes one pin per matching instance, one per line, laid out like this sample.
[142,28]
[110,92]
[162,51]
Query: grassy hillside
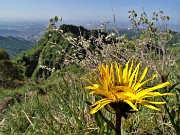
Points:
[54,51]
[14,45]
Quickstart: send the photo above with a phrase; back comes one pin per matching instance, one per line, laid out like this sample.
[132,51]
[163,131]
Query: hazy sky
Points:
[85,10]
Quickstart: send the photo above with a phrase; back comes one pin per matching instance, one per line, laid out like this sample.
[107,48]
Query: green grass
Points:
[64,109]
[13,92]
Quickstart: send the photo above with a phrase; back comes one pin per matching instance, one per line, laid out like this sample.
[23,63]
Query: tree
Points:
[11,74]
[3,54]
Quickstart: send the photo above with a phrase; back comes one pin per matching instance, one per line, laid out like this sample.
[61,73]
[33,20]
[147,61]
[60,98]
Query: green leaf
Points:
[56,18]
[51,20]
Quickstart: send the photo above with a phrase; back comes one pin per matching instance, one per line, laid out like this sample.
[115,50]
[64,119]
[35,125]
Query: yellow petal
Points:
[157,103]
[138,85]
[156,94]
[95,86]
[111,78]
[131,95]
[152,107]
[143,74]
[100,92]
[131,104]
[93,76]
[119,73]
[146,91]
[130,69]
[125,73]
[101,104]
[134,77]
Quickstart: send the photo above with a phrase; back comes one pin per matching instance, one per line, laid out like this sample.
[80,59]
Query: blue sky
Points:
[85,10]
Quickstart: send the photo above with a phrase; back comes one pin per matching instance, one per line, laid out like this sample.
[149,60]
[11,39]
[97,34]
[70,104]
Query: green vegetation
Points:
[56,66]
[4,55]
[55,51]
[14,45]
[11,74]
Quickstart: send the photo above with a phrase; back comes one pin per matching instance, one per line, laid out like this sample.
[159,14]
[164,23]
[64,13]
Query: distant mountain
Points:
[14,45]
[123,31]
[31,31]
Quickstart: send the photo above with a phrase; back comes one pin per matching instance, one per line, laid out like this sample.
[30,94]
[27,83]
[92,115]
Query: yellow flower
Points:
[123,86]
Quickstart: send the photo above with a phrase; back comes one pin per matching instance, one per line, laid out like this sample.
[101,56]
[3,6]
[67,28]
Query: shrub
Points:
[3,54]
[11,74]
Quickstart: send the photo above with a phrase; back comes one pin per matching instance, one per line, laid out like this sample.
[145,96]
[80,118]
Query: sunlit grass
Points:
[63,110]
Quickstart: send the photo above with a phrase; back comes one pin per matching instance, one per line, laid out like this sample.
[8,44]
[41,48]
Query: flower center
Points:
[118,93]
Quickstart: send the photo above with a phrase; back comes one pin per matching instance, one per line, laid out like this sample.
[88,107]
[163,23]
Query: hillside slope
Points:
[14,45]
[54,51]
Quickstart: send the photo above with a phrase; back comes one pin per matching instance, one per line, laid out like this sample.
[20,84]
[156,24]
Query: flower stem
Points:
[118,123]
